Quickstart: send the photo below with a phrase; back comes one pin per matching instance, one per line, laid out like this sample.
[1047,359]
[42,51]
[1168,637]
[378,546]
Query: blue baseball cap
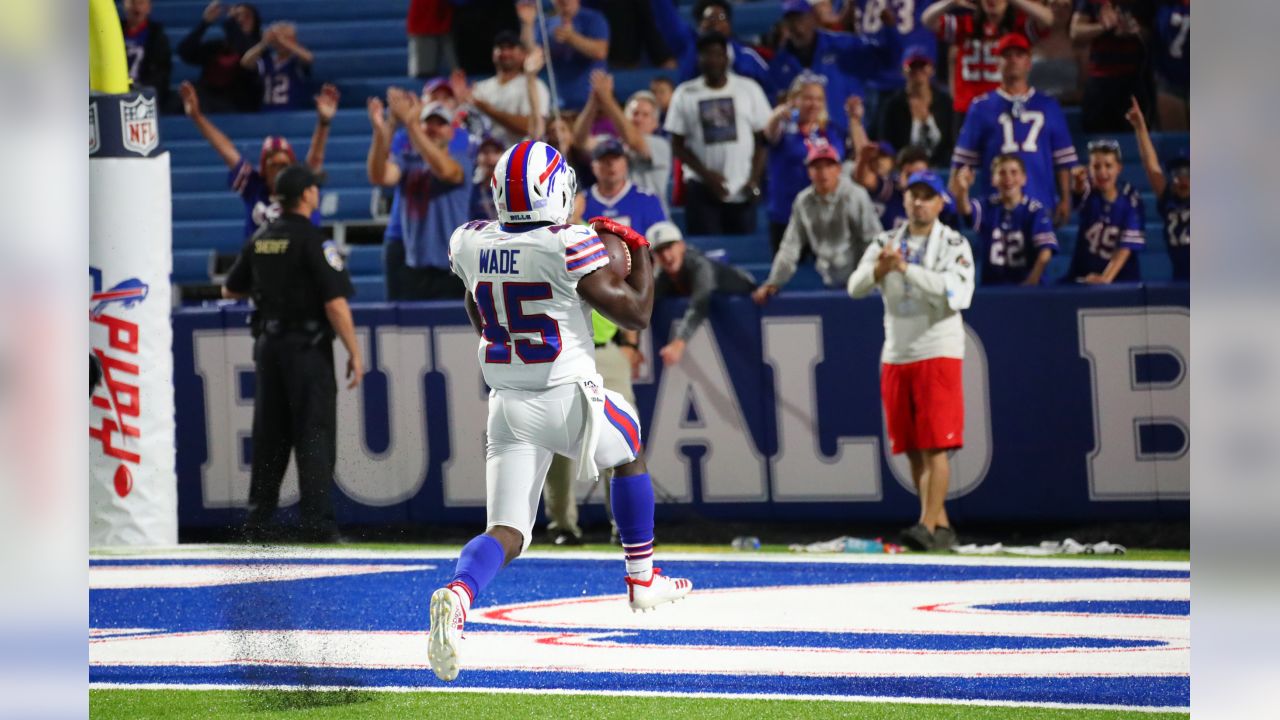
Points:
[927,178]
[916,53]
[796,6]
[608,146]
[886,148]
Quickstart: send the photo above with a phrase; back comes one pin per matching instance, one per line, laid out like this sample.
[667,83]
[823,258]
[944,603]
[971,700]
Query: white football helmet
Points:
[533,183]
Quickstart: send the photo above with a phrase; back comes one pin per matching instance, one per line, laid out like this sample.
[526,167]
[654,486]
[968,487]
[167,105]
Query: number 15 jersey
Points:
[537,329]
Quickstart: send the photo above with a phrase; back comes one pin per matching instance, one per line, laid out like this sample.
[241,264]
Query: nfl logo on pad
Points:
[138,125]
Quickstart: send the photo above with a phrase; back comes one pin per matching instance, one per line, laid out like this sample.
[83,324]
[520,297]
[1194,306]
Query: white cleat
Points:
[644,596]
[447,619]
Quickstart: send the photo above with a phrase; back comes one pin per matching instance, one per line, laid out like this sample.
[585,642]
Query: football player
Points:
[532,281]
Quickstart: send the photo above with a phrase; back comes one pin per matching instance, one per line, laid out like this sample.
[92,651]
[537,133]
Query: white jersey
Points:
[537,329]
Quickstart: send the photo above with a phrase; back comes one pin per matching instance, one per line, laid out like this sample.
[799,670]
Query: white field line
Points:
[644,693]
[223,552]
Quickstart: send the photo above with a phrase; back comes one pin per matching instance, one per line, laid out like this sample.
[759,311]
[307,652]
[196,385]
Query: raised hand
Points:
[534,60]
[190,99]
[1134,115]
[855,108]
[526,11]
[212,12]
[602,83]
[403,105]
[327,102]
[377,113]
[963,177]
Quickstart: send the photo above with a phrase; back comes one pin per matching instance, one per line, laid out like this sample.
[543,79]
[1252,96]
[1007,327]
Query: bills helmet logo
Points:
[139,128]
[126,292]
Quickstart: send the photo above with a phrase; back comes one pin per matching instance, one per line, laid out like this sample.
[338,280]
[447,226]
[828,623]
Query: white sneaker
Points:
[447,618]
[659,589]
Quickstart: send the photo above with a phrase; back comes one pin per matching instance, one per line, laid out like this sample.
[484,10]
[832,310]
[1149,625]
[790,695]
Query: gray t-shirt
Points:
[652,173]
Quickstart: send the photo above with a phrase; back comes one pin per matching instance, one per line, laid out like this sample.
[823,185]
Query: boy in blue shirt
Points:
[1173,194]
[1016,232]
[1111,220]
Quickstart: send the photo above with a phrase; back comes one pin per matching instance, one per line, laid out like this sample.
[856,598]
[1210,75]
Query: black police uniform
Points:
[291,270]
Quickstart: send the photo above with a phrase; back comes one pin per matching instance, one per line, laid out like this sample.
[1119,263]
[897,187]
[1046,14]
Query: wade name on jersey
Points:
[536,330]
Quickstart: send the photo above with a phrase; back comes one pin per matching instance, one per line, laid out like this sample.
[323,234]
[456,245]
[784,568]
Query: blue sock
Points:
[480,561]
[632,502]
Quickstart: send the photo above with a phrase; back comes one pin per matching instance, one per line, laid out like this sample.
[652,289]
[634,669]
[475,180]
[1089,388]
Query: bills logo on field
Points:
[139,128]
[114,422]
[94,142]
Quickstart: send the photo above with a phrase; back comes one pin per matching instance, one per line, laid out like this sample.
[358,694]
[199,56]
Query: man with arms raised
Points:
[531,282]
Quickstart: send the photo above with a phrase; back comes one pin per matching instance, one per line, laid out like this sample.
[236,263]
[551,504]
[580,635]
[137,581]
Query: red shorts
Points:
[923,404]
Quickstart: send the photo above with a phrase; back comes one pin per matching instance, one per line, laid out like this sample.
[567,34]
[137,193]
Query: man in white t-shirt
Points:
[924,271]
[716,122]
[504,98]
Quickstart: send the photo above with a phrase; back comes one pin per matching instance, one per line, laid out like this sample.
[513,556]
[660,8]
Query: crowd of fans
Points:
[820,123]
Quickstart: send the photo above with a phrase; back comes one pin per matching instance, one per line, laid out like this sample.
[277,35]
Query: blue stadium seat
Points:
[369,288]
[1156,266]
[252,127]
[364,260]
[324,35]
[298,11]
[213,178]
[752,20]
[738,249]
[359,62]
[192,266]
[190,153]
[223,236]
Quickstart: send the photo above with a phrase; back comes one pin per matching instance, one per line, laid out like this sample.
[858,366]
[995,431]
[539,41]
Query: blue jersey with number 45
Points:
[1107,226]
[537,330]
[1031,127]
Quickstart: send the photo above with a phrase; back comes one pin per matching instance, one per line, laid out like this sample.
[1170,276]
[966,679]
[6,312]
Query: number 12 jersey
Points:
[537,329]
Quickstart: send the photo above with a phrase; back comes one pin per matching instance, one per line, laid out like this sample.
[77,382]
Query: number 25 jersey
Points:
[537,329]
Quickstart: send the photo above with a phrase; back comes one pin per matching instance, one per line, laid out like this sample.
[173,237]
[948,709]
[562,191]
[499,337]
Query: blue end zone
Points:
[396,601]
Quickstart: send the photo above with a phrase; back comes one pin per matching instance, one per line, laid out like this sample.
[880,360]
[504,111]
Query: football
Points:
[619,255]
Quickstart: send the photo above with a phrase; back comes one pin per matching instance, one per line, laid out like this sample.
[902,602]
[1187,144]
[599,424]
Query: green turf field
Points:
[265,704]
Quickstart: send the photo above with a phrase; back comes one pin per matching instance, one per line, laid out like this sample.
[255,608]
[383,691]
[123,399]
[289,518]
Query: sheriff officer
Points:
[299,287]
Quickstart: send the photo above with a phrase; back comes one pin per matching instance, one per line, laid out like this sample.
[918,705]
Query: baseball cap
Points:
[506,37]
[608,146]
[886,148]
[663,233]
[294,180]
[433,85]
[929,179]
[436,109]
[1179,162]
[796,6]
[491,140]
[916,54]
[821,151]
[1012,41]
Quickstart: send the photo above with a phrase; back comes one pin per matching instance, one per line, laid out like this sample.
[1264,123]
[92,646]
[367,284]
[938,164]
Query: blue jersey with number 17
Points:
[1031,126]
[537,330]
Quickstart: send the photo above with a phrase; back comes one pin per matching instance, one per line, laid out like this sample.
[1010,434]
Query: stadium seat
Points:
[369,288]
[192,266]
[252,127]
[737,249]
[323,35]
[223,236]
[297,11]
[364,260]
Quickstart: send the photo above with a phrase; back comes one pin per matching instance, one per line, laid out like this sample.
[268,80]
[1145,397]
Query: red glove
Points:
[633,239]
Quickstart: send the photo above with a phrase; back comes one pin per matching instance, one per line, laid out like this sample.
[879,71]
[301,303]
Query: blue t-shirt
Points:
[430,209]
[1177,232]
[786,171]
[284,84]
[573,69]
[841,59]
[1173,43]
[743,61]
[1106,227]
[635,208]
[259,208]
[910,31]
[1011,239]
[1032,127]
